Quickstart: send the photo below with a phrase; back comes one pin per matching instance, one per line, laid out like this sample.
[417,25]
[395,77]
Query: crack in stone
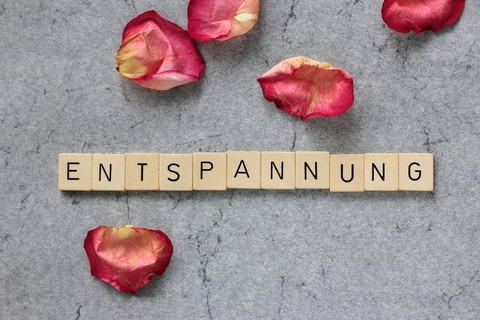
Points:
[460,292]
[199,140]
[354,3]
[78,313]
[429,143]
[5,238]
[22,202]
[282,294]
[294,139]
[137,124]
[427,138]
[128,207]
[291,15]
[203,273]
[75,202]
[177,201]
[230,199]
[132,4]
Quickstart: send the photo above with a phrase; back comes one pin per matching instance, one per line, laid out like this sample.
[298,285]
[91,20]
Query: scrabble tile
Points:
[347,173]
[141,171]
[278,170]
[381,171]
[108,172]
[415,171]
[243,170]
[75,172]
[209,171]
[312,170]
[176,172]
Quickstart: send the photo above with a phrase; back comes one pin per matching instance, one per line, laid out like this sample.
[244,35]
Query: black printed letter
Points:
[141,169]
[109,175]
[417,171]
[169,169]
[203,169]
[242,172]
[70,170]
[280,175]
[382,175]
[315,175]
[353,173]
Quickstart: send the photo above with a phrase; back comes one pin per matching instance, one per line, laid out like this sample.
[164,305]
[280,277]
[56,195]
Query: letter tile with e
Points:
[74,172]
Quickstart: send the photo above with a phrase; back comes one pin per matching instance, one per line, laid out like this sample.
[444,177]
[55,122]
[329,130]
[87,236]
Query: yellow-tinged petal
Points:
[307,88]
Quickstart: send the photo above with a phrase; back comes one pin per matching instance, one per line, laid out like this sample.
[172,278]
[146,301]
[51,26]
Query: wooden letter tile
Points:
[209,171]
[278,170]
[416,171]
[381,171]
[176,172]
[243,170]
[108,172]
[312,170]
[347,173]
[141,171]
[75,172]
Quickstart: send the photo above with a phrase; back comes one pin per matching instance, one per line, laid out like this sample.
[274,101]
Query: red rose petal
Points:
[158,54]
[128,257]
[221,19]
[307,88]
[421,15]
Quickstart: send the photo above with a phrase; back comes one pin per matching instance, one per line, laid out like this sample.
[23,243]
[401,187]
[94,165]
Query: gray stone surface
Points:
[241,254]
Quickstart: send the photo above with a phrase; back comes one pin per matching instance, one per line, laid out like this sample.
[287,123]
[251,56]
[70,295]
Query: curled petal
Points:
[307,88]
[128,257]
[421,15]
[158,54]
[221,19]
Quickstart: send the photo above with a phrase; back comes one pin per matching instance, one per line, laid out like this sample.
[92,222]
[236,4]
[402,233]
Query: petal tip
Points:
[221,20]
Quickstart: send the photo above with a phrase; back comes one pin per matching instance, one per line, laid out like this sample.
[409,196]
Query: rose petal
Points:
[221,19]
[128,257]
[307,88]
[421,15]
[158,54]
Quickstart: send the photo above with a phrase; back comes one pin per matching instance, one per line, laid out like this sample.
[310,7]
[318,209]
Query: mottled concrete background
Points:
[241,254]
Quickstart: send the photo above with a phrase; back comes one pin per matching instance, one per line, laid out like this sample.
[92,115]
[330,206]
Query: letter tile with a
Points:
[243,169]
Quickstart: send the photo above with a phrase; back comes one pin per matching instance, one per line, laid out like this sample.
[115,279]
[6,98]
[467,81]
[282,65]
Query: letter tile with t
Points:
[209,171]
[278,170]
[347,173]
[415,171]
[141,171]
